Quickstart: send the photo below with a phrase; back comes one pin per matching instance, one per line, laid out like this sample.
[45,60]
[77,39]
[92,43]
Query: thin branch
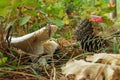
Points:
[8,39]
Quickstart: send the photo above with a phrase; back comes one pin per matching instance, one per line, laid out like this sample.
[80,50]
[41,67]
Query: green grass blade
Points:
[36,73]
[115,46]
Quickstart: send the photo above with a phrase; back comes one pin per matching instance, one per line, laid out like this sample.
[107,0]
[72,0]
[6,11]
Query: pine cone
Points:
[89,41]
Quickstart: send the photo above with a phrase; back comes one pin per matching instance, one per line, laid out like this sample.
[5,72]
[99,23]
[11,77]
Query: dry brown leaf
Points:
[63,78]
[82,70]
[106,68]
[113,59]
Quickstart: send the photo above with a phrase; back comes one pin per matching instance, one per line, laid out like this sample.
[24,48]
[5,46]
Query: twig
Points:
[46,71]
[54,69]
[8,39]
[49,27]
[22,73]
[19,60]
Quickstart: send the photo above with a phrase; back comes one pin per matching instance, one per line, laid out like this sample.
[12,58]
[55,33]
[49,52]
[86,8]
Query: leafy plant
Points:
[24,20]
[115,45]
[2,59]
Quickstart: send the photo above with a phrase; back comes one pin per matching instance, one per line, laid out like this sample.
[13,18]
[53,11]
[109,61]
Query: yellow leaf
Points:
[111,4]
[97,3]
[38,13]
[67,21]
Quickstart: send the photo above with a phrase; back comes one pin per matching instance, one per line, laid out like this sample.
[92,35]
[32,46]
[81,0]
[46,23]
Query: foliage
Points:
[24,20]
[2,59]
[115,44]
[37,13]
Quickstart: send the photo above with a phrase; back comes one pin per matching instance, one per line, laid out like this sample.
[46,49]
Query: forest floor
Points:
[20,67]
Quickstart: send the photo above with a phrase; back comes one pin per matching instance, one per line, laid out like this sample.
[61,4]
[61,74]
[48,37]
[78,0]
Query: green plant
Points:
[3,59]
[115,45]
